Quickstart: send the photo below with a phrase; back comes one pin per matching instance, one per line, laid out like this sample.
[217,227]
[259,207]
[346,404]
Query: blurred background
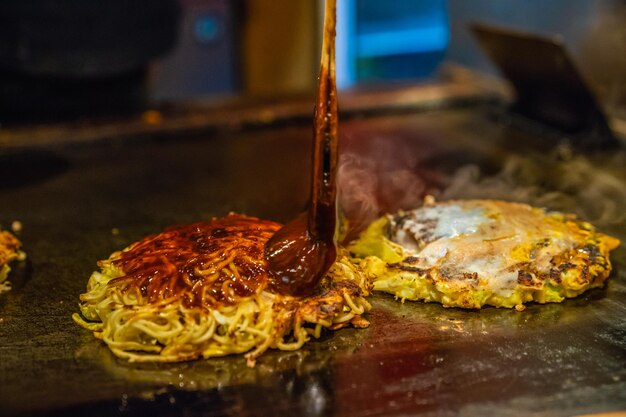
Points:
[65,59]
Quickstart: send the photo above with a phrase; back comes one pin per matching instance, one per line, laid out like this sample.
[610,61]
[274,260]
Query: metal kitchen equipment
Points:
[105,186]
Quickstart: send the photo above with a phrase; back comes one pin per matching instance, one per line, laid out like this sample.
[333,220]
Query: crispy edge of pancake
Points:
[170,332]
[394,272]
[10,251]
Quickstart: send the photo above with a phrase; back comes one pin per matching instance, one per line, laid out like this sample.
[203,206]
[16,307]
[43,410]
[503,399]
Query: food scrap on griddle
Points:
[10,251]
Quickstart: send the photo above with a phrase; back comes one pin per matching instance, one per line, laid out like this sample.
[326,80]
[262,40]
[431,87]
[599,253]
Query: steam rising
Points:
[382,177]
[590,186]
[561,181]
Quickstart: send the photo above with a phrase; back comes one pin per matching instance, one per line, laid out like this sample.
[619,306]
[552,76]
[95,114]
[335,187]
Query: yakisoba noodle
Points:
[203,291]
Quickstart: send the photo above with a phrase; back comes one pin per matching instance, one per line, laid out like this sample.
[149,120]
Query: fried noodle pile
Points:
[203,291]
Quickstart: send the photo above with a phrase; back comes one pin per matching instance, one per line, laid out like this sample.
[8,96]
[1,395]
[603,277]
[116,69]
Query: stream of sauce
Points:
[218,262]
[300,254]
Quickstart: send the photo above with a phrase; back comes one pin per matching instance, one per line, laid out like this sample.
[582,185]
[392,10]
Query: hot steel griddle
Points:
[79,202]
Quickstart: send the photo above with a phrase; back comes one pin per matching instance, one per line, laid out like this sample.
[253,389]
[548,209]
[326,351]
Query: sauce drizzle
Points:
[205,263]
[301,253]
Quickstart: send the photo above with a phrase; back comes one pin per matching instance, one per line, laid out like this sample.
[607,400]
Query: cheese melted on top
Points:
[483,240]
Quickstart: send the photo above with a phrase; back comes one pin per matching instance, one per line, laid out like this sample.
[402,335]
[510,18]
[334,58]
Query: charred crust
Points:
[325,305]
[555,275]
[592,250]
[524,278]
[426,227]
[398,221]
[402,267]
[584,273]
[470,276]
[429,226]
[350,286]
[543,243]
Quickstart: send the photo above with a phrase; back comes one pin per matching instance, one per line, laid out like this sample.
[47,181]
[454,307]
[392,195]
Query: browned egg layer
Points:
[205,263]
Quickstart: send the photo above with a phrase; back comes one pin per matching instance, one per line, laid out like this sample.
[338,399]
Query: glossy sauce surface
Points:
[207,263]
[302,252]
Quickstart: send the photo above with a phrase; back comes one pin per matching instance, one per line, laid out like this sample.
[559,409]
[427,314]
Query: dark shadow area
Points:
[20,273]
[21,168]
[284,393]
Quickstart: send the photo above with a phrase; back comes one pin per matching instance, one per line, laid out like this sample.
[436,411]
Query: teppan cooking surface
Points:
[80,202]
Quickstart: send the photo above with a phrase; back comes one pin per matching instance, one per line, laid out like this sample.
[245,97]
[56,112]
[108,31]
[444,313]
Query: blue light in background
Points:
[207,28]
[390,40]
[407,41]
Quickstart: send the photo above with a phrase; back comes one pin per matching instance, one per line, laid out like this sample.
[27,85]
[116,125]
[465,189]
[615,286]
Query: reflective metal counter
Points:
[79,202]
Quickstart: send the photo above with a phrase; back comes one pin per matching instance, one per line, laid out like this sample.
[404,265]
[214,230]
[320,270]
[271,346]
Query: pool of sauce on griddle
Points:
[301,253]
[205,263]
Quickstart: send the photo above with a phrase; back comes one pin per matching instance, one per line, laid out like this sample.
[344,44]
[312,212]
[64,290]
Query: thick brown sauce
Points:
[303,251]
[205,263]
[237,256]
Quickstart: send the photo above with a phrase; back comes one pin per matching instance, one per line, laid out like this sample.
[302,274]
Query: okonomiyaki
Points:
[483,252]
